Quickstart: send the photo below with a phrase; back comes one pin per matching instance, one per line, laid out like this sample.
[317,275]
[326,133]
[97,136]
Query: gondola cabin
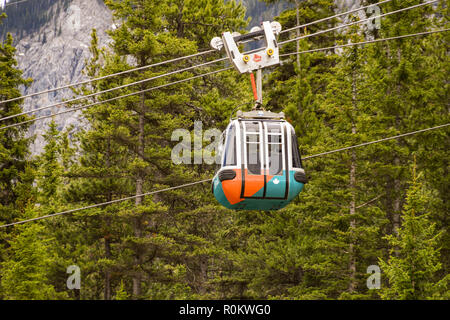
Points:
[260,167]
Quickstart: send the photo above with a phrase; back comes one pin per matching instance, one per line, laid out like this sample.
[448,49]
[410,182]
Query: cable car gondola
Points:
[261,168]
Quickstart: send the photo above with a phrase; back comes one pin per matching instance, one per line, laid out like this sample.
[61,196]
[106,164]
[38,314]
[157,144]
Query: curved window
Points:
[252,141]
[296,160]
[275,159]
[253,154]
[275,148]
[230,148]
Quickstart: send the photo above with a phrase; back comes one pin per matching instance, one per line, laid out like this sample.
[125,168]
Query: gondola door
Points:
[276,171]
[263,167]
[253,184]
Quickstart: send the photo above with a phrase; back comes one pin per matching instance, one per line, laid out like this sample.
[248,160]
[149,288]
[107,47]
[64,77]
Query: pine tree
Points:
[409,93]
[51,187]
[269,251]
[25,274]
[50,171]
[126,148]
[433,149]
[341,214]
[181,244]
[16,170]
[414,259]
[98,174]
[13,143]
[32,248]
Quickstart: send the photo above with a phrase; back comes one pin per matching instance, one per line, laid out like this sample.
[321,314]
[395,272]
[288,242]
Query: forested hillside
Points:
[382,206]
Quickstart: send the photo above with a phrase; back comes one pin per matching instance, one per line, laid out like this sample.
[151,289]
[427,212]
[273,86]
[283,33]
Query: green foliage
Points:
[16,169]
[121,294]
[359,208]
[25,273]
[13,143]
[148,248]
[414,256]
[34,268]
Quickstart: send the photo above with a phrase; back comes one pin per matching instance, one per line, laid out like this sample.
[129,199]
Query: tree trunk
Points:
[297,3]
[394,201]
[352,211]
[397,203]
[107,293]
[180,23]
[137,278]
[107,289]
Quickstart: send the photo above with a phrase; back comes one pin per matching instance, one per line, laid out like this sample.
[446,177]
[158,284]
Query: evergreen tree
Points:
[126,148]
[414,259]
[50,171]
[13,143]
[51,187]
[270,250]
[32,251]
[408,93]
[25,274]
[341,215]
[16,174]
[97,175]
[181,244]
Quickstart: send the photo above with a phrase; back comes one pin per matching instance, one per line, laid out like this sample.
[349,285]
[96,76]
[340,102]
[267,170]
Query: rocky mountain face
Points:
[260,11]
[55,56]
[53,53]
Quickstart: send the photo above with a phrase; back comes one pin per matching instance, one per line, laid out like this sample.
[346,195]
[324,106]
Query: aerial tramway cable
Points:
[365,42]
[266,26]
[218,71]
[358,22]
[208,180]
[115,98]
[170,73]
[171,60]
[335,16]
[115,88]
[106,77]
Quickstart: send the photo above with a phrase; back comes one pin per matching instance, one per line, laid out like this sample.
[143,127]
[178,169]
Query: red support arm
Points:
[252,79]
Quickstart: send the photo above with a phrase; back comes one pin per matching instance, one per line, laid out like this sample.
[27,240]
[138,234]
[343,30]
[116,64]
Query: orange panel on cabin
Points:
[232,188]
[253,183]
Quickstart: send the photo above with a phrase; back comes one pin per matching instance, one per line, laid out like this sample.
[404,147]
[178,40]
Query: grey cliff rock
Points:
[60,60]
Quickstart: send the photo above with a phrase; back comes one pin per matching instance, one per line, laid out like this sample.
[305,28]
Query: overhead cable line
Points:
[282,55]
[376,141]
[335,16]
[106,203]
[113,89]
[207,180]
[113,99]
[358,22]
[189,68]
[11,3]
[108,76]
[212,51]
[172,60]
[365,42]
